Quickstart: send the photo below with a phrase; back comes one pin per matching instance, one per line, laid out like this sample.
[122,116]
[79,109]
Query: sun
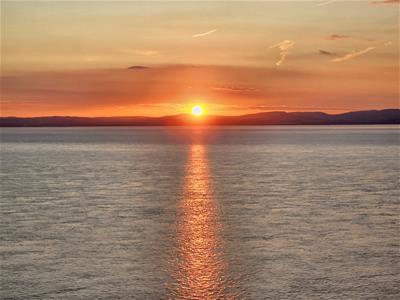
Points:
[197,110]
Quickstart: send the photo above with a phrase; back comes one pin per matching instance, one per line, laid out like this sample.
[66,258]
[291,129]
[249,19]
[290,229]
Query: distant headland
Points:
[368,117]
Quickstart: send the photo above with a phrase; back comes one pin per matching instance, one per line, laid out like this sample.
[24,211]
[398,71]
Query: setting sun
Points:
[197,110]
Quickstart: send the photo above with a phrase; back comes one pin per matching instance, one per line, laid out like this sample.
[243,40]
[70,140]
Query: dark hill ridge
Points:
[386,116]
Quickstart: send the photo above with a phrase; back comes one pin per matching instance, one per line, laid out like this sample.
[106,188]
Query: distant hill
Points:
[386,116]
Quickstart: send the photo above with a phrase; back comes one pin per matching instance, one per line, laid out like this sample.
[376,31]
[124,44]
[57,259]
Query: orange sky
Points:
[61,58]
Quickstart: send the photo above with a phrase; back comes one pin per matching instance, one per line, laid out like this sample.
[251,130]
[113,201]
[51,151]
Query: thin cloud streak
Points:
[352,55]
[144,52]
[385,2]
[326,3]
[204,33]
[324,52]
[234,89]
[284,46]
[334,37]
[263,108]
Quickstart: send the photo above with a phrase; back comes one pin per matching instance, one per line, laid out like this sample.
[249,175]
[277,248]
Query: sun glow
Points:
[197,110]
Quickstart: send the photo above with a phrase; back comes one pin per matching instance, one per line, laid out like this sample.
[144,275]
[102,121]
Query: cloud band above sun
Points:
[134,91]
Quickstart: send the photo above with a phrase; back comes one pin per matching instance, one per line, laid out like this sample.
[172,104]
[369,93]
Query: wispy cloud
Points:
[284,46]
[388,43]
[371,1]
[354,54]
[326,3]
[287,108]
[204,33]
[235,89]
[385,2]
[338,37]
[137,67]
[324,52]
[144,52]
[334,37]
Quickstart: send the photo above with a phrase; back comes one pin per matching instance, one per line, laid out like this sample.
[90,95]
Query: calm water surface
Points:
[274,212]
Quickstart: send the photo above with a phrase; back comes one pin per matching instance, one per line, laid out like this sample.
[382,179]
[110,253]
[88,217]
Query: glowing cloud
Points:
[352,55]
[204,33]
[284,46]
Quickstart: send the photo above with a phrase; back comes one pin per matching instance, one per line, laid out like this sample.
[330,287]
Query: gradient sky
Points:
[73,58]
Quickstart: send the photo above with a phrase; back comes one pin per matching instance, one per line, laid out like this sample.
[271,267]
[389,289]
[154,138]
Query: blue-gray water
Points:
[274,212]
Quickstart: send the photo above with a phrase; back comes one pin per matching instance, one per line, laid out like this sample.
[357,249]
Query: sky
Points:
[130,58]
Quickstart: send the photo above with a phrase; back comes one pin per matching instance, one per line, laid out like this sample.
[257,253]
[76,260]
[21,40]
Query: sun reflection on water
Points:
[198,270]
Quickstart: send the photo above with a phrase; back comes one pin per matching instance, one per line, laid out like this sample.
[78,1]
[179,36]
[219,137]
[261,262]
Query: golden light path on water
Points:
[199,270]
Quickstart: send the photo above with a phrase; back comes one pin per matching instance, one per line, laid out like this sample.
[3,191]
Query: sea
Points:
[251,212]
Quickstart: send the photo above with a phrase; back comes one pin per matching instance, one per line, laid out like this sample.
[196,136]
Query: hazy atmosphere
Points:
[104,58]
[205,150]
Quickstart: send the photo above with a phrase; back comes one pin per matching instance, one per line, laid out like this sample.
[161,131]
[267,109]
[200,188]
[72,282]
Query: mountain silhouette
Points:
[386,116]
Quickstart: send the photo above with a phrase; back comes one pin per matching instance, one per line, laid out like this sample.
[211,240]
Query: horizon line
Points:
[189,114]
